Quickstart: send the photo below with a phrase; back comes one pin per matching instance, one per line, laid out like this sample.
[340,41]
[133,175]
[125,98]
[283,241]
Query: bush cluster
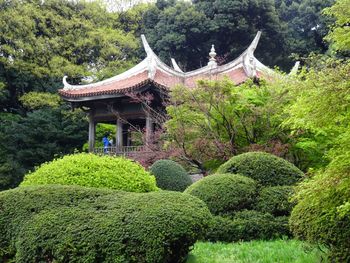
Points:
[247,225]
[77,224]
[245,205]
[265,168]
[170,175]
[276,200]
[225,193]
[93,171]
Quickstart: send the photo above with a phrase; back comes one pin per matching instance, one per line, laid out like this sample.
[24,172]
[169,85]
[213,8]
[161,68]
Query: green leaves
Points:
[40,42]
[218,119]
[79,224]
[93,171]
[34,100]
[339,36]
[45,40]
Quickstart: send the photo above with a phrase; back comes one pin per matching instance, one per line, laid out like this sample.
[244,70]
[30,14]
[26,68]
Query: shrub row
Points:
[254,204]
[247,225]
[226,194]
[77,224]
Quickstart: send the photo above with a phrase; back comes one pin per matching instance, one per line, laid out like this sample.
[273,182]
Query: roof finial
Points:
[212,54]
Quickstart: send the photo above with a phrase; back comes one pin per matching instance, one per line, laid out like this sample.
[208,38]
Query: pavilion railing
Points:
[121,150]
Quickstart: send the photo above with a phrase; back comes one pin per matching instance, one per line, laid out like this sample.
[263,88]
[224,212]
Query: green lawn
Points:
[283,251]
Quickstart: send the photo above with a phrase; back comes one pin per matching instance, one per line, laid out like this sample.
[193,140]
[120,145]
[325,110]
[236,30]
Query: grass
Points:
[283,251]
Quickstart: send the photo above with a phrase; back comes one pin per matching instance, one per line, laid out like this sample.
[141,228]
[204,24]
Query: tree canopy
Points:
[186,30]
[40,42]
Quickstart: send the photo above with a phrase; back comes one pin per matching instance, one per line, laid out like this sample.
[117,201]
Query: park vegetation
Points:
[93,171]
[170,175]
[275,153]
[79,224]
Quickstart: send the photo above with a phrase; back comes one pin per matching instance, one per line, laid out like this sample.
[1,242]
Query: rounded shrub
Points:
[78,224]
[93,171]
[247,225]
[276,200]
[225,193]
[265,168]
[170,175]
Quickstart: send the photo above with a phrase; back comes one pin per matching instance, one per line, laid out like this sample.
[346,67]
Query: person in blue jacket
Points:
[106,142]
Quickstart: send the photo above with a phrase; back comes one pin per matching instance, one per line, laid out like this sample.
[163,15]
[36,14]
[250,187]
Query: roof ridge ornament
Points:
[66,85]
[175,65]
[212,55]
[254,44]
[249,60]
[295,69]
[147,47]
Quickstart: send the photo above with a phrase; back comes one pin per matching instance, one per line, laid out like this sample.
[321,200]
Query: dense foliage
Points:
[76,224]
[339,36]
[275,200]
[303,118]
[170,175]
[186,31]
[323,210]
[247,225]
[40,42]
[322,213]
[30,140]
[244,208]
[225,193]
[93,171]
[218,119]
[266,169]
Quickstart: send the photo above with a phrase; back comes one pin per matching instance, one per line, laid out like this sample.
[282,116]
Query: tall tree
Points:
[186,31]
[339,36]
[40,41]
[306,26]
[179,31]
[218,119]
[235,23]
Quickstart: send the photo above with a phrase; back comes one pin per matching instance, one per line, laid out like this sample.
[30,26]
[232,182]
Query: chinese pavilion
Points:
[108,101]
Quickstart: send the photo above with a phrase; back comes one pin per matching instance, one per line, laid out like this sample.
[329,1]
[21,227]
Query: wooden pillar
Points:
[92,131]
[119,133]
[149,128]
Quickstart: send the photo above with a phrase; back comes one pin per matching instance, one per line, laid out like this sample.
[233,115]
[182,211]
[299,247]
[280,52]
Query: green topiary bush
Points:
[93,171]
[78,224]
[225,193]
[170,175]
[265,168]
[276,200]
[247,225]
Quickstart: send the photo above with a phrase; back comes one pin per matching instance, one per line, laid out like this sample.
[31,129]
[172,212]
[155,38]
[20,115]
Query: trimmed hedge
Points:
[247,225]
[93,171]
[77,224]
[276,200]
[170,175]
[265,168]
[225,193]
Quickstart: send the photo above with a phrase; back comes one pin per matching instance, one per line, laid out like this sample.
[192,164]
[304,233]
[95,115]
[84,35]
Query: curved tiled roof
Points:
[153,71]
